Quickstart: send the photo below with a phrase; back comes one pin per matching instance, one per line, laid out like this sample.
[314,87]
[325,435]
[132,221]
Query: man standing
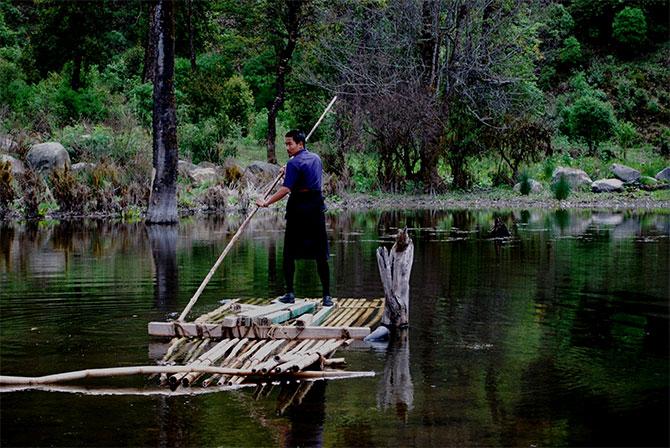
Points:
[305,236]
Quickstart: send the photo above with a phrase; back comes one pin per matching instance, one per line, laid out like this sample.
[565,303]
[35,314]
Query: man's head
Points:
[294,141]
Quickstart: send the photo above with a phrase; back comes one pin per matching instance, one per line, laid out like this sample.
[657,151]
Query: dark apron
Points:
[305,236]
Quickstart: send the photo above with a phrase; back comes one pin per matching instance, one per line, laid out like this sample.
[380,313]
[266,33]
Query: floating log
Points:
[215,331]
[287,314]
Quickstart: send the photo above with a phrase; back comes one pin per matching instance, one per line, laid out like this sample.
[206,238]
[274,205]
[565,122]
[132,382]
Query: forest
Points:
[433,95]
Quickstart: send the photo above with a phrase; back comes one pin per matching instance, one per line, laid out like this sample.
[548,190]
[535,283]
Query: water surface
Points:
[557,336]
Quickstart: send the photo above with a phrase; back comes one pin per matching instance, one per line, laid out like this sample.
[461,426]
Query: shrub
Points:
[7,193]
[215,198]
[201,141]
[238,102]
[70,195]
[629,28]
[591,120]
[525,184]
[561,188]
[142,103]
[259,128]
[626,135]
[33,193]
[571,53]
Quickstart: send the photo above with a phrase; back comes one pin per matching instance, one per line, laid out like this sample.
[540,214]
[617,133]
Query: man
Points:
[305,236]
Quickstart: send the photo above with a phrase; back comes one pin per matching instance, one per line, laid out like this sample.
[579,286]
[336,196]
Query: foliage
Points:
[571,53]
[215,199]
[561,188]
[34,190]
[590,120]
[629,28]
[238,102]
[525,186]
[68,192]
[7,192]
[202,141]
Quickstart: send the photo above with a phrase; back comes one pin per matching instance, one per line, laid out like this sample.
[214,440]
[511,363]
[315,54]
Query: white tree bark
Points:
[395,268]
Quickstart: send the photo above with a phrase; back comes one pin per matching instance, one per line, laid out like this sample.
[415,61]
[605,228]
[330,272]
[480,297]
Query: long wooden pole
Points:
[237,235]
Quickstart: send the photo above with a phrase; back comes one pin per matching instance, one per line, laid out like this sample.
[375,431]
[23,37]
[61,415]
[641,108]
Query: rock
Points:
[83,166]
[664,175]
[232,171]
[17,166]
[263,170]
[7,144]
[205,164]
[184,167]
[575,177]
[535,186]
[48,156]
[202,175]
[606,185]
[626,174]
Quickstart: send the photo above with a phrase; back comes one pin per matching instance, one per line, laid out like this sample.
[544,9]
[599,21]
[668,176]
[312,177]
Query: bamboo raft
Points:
[262,340]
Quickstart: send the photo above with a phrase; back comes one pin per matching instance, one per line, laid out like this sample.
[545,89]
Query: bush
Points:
[525,186]
[591,120]
[561,188]
[626,135]
[238,102]
[70,195]
[215,198]
[259,129]
[7,193]
[629,28]
[33,193]
[571,53]
[201,141]
[142,103]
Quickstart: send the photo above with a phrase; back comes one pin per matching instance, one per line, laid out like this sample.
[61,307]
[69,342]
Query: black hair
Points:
[297,135]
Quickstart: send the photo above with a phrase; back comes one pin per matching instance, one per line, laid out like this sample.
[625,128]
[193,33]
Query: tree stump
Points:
[395,267]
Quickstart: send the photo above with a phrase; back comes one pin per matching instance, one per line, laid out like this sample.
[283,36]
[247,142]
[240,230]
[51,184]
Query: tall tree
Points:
[163,202]
[285,32]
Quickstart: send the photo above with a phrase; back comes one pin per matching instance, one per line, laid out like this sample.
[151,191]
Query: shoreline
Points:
[493,199]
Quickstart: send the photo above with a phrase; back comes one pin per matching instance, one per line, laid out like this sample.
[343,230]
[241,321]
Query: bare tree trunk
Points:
[163,201]
[395,268]
[191,33]
[150,47]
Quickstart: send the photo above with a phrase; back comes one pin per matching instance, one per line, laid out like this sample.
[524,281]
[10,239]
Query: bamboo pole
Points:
[207,360]
[240,361]
[228,358]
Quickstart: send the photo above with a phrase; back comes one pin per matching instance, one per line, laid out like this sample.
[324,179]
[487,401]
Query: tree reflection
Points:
[163,240]
[396,388]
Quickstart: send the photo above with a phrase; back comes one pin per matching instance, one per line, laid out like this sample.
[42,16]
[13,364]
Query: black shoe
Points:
[327,301]
[289,297]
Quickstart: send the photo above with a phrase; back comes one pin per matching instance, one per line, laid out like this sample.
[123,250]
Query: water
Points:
[555,337]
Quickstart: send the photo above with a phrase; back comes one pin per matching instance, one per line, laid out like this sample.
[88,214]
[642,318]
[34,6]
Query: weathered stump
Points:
[395,267]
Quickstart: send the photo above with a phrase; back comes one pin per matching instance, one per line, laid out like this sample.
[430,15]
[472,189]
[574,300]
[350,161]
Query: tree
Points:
[285,20]
[591,120]
[629,28]
[163,202]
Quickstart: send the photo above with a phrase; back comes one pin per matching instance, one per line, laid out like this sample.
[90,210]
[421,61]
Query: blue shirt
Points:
[303,172]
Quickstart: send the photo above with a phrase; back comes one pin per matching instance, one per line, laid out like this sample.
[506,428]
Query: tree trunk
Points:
[163,201]
[150,47]
[75,81]
[284,55]
[191,33]
[394,269]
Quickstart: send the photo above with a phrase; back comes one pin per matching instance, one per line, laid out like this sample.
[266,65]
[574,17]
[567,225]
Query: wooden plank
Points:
[323,314]
[170,329]
[292,312]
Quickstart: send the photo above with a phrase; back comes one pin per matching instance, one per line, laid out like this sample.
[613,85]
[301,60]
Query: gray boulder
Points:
[7,144]
[606,185]
[48,156]
[260,173]
[17,165]
[626,174]
[664,175]
[202,175]
[575,177]
[184,167]
[535,186]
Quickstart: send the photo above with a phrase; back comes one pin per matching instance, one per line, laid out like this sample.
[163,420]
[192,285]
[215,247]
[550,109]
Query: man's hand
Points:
[261,202]
[282,170]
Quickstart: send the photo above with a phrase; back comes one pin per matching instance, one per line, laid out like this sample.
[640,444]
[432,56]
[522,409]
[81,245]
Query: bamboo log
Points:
[222,309]
[277,332]
[286,314]
[322,314]
[228,358]
[240,361]
[207,360]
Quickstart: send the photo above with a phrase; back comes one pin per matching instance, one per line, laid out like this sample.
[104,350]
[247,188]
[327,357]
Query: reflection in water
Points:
[163,240]
[395,388]
[554,337]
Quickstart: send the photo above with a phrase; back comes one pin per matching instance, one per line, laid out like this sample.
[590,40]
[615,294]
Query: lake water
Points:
[557,336]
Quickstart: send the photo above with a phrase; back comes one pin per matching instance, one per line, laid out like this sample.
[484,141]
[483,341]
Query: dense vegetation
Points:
[433,93]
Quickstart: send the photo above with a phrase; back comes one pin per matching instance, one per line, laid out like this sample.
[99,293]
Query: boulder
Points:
[202,175]
[48,156]
[625,173]
[17,165]
[263,170]
[535,186]
[647,180]
[205,164]
[232,171]
[83,166]
[7,144]
[184,167]
[606,185]
[664,175]
[575,177]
